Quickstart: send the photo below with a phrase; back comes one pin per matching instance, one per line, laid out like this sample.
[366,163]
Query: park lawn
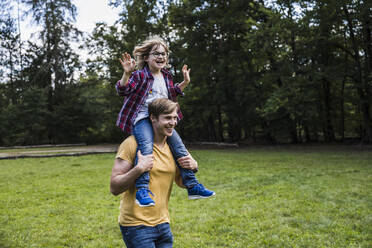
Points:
[266,197]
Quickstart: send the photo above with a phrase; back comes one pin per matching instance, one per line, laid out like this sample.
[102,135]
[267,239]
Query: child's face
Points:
[157,58]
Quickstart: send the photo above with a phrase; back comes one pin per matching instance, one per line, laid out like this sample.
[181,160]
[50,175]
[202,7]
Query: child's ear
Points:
[152,118]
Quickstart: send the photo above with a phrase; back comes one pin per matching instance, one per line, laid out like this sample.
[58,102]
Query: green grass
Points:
[266,197]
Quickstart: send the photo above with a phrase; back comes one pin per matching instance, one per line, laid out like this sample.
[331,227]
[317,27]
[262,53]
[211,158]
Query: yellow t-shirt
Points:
[162,175]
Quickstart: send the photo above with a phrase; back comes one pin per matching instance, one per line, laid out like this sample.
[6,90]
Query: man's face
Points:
[164,125]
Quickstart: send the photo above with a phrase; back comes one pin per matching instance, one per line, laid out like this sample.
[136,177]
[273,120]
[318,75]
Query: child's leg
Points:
[144,135]
[179,150]
[195,189]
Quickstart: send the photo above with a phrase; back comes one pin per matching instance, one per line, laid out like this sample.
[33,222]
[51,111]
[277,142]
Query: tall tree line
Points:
[262,71]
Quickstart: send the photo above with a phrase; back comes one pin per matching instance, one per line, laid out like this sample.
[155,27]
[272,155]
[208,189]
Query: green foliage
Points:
[54,61]
[26,119]
[266,197]
[288,71]
[220,79]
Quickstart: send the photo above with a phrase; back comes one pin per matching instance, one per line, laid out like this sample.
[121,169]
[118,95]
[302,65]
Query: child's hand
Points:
[145,162]
[186,77]
[127,63]
[186,74]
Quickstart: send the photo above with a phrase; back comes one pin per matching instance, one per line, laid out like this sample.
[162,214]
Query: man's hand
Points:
[188,162]
[145,162]
[127,63]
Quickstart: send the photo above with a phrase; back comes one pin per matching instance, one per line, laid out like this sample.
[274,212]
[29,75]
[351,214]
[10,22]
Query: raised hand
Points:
[186,74]
[127,63]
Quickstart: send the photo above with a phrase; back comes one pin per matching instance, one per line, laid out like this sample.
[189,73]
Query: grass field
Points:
[266,197]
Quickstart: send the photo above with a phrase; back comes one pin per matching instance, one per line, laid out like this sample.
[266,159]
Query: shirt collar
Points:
[148,72]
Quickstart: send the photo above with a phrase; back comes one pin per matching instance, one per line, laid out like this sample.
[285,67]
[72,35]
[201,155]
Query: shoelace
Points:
[199,187]
[144,192]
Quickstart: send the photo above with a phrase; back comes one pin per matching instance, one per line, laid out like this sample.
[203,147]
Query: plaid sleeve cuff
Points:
[122,90]
[178,90]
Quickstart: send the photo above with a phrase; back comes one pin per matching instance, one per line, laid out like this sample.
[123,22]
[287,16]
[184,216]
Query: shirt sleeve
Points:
[127,150]
[178,90]
[130,87]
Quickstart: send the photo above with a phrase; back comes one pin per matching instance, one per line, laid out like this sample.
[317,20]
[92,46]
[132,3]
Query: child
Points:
[141,87]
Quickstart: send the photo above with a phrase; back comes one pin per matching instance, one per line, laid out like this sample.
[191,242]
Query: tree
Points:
[53,62]
[357,14]
[210,37]
[9,46]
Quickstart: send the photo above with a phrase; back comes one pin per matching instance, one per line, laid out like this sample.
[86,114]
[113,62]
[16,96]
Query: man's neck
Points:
[160,140]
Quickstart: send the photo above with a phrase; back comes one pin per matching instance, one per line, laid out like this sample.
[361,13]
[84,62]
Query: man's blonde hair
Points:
[162,106]
[142,51]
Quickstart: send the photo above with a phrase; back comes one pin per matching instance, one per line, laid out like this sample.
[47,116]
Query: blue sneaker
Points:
[198,192]
[143,198]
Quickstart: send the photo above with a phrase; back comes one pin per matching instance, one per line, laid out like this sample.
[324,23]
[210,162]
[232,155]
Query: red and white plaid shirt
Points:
[135,93]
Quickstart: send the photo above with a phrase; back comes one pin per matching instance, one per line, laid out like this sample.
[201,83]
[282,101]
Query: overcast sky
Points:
[93,11]
[89,12]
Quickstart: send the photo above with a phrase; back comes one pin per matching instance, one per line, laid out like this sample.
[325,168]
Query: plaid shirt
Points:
[136,92]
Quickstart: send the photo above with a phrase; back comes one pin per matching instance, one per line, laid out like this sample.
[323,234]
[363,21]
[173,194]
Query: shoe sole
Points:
[143,206]
[194,197]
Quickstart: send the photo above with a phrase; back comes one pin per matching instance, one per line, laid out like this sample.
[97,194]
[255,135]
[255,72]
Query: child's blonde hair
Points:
[142,51]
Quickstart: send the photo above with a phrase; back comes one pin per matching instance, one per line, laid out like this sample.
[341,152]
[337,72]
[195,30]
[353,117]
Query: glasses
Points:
[158,55]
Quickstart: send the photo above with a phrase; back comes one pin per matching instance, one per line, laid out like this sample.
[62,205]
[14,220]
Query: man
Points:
[149,227]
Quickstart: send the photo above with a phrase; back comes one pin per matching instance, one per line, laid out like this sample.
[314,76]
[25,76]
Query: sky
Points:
[93,11]
[89,12]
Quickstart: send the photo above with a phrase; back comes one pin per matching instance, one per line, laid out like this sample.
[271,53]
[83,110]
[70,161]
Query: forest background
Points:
[263,71]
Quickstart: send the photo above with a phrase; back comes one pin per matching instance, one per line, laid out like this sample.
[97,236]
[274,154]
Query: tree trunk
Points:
[292,129]
[329,131]
[342,103]
[211,129]
[220,125]
[342,110]
[307,132]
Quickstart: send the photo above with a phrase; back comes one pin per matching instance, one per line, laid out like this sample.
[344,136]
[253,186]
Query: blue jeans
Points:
[144,135]
[159,236]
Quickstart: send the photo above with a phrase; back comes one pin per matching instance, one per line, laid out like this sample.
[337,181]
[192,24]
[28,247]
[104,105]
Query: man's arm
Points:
[123,173]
